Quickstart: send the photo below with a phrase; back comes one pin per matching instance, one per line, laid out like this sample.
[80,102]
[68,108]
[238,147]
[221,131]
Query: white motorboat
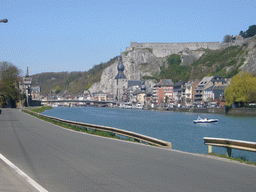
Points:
[205,120]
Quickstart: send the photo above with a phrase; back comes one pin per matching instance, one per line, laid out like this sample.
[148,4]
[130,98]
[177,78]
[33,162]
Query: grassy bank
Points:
[41,109]
[78,128]
[240,159]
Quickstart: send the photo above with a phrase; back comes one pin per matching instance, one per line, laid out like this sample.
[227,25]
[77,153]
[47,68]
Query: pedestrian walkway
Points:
[11,181]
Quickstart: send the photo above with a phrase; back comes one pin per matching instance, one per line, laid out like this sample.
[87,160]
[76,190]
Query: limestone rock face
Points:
[137,63]
[107,82]
[250,62]
[140,62]
[190,56]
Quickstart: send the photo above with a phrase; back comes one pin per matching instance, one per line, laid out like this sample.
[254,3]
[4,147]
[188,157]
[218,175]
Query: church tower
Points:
[121,81]
[27,81]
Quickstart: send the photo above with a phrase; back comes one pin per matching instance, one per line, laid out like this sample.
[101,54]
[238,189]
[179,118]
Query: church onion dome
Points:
[120,68]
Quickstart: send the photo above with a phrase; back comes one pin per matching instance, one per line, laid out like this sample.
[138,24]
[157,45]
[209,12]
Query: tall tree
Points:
[242,89]
[9,78]
[251,31]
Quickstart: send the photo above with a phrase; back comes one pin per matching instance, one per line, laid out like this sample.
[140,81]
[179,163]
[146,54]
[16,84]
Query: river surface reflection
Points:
[175,127]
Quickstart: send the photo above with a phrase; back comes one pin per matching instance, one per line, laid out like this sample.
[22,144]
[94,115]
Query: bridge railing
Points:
[136,136]
[229,144]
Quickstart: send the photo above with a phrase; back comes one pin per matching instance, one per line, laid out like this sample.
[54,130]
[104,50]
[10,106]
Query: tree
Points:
[57,89]
[166,99]
[252,97]
[227,39]
[242,33]
[229,95]
[251,31]
[9,80]
[242,89]
[88,86]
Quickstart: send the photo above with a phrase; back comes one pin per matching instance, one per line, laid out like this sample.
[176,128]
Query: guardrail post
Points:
[209,149]
[229,150]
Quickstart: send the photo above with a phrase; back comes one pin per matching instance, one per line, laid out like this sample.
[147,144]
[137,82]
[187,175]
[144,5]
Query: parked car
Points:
[252,105]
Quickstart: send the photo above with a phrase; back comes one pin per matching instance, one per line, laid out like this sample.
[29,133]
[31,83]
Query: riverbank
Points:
[227,111]
[98,130]
[241,159]
[41,109]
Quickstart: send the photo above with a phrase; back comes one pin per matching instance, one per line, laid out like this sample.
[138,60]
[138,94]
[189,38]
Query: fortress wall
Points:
[180,46]
[165,49]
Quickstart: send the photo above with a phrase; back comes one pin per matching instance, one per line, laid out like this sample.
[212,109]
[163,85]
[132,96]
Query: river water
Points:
[175,127]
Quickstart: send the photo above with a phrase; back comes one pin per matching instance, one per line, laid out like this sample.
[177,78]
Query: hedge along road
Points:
[63,160]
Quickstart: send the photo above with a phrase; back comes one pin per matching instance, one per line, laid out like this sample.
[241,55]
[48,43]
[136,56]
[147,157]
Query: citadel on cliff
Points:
[165,49]
[145,59]
[189,51]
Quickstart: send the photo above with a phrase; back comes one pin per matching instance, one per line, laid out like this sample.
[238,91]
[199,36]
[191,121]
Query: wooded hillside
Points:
[73,82]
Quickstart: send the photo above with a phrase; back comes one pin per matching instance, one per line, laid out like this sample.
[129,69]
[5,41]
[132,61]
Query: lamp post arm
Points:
[4,21]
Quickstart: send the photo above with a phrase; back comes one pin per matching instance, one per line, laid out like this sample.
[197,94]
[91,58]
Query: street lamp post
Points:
[4,21]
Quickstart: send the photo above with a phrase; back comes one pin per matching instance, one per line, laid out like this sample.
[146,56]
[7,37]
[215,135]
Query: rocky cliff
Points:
[250,57]
[137,64]
[140,62]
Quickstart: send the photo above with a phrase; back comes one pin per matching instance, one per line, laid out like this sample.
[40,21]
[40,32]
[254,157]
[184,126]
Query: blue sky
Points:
[65,35]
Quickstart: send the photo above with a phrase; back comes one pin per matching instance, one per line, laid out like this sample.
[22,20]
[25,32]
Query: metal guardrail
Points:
[136,136]
[229,144]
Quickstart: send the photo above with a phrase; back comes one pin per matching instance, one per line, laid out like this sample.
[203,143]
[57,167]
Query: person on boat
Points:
[198,118]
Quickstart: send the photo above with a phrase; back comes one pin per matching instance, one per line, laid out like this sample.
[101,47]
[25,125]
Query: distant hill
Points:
[72,82]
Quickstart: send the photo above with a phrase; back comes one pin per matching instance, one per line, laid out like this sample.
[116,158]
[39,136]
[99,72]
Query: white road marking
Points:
[22,174]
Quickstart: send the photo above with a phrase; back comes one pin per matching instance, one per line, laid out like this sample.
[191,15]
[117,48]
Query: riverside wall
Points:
[232,111]
[198,110]
[242,111]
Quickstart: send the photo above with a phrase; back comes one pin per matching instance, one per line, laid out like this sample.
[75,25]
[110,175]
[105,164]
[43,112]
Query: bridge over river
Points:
[77,102]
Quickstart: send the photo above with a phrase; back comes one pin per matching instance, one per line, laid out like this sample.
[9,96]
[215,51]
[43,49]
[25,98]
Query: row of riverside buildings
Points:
[210,89]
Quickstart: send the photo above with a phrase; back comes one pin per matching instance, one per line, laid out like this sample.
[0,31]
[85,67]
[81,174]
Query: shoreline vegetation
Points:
[112,135]
[79,128]
[41,109]
[239,159]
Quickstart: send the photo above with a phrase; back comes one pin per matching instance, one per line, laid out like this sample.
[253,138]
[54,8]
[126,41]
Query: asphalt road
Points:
[63,160]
